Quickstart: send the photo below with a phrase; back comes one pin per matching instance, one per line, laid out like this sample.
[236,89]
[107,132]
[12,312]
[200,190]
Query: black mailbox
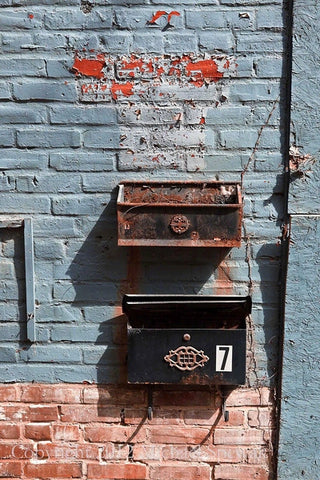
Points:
[187,339]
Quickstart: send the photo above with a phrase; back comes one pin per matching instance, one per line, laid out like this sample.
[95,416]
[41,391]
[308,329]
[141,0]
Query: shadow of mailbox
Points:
[187,339]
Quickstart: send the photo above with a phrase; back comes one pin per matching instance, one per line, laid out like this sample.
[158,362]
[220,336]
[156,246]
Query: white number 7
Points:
[224,358]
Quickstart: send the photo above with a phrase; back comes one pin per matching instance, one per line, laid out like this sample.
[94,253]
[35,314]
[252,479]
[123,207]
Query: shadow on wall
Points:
[101,273]
[12,284]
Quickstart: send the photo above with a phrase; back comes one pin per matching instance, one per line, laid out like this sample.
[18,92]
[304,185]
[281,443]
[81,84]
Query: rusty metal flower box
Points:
[186,339]
[182,214]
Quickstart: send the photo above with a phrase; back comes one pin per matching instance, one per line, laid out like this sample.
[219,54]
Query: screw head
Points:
[186,337]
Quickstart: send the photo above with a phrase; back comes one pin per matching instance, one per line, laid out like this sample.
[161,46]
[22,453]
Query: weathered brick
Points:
[37,432]
[48,138]
[46,91]
[53,470]
[30,67]
[86,162]
[173,435]
[22,114]
[237,472]
[76,20]
[128,471]
[83,115]
[9,431]
[180,472]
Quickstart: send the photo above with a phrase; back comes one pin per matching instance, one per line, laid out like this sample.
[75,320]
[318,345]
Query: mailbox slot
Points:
[185,339]
[184,214]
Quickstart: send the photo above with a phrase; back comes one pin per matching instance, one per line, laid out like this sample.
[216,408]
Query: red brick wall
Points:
[102,432]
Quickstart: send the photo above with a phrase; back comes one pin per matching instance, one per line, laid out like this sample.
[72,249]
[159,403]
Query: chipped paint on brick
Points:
[89,67]
[124,88]
[122,76]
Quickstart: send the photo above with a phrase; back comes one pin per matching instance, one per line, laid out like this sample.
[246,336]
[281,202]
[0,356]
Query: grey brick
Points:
[13,20]
[228,115]
[59,68]
[81,333]
[7,137]
[270,17]
[117,42]
[82,161]
[61,183]
[260,42]
[14,159]
[55,227]
[52,250]
[14,67]
[180,43]
[97,115]
[48,138]
[79,205]
[74,19]
[238,138]
[217,41]
[246,92]
[46,91]
[5,93]
[44,41]
[269,67]
[103,355]
[148,43]
[8,354]
[14,113]
[205,19]
[102,138]
[12,42]
[58,313]
[155,161]
[150,115]
[50,354]
[24,203]
[9,332]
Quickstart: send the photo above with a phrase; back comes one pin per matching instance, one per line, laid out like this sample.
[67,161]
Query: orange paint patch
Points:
[171,14]
[202,121]
[203,71]
[156,16]
[124,88]
[89,67]
[31,16]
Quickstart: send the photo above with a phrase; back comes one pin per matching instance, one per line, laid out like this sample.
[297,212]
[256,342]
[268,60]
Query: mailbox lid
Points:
[154,354]
[186,311]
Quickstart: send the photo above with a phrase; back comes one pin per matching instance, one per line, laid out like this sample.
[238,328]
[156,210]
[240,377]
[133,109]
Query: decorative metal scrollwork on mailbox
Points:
[179,224]
[186,358]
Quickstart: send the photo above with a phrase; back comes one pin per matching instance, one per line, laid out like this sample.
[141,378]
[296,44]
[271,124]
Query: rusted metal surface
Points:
[186,214]
[183,339]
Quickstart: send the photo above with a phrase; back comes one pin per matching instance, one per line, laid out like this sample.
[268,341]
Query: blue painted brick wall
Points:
[67,139]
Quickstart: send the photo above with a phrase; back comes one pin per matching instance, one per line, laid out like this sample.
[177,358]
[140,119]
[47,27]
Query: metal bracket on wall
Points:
[29,271]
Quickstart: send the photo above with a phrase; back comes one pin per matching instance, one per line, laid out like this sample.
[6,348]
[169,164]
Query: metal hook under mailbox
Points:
[150,403]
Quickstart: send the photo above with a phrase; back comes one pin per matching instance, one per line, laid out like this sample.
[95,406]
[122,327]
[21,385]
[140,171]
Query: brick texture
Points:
[93,93]
[114,444]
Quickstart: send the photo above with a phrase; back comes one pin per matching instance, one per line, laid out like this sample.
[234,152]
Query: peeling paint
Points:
[156,16]
[124,88]
[300,164]
[122,75]
[204,71]
[89,67]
